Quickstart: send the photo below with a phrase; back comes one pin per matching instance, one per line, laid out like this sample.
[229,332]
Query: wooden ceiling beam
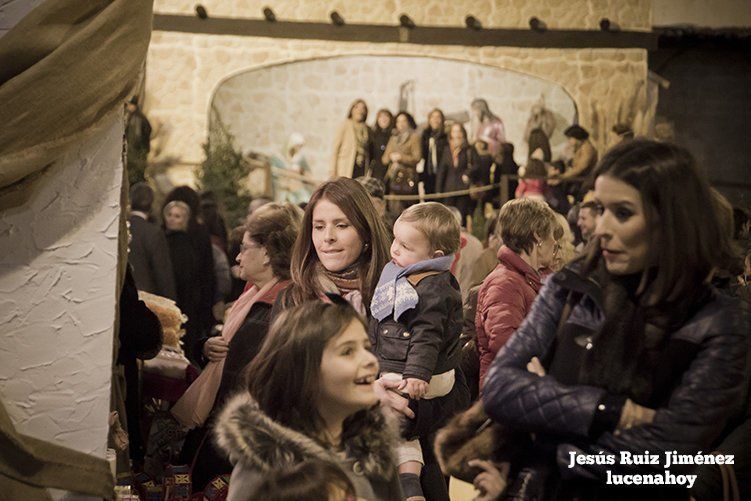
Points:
[423,35]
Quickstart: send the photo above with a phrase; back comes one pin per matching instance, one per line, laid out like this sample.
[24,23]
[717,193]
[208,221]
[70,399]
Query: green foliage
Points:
[224,171]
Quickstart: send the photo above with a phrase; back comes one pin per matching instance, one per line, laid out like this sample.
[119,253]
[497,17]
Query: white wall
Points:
[58,259]
[702,13]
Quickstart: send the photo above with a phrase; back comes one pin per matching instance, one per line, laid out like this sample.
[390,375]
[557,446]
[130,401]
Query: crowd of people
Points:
[446,163]
[606,311]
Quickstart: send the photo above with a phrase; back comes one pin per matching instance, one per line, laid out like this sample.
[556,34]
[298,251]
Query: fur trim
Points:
[471,435]
[250,436]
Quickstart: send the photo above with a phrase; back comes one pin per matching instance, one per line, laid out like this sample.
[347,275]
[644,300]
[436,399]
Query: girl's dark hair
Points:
[308,481]
[355,103]
[275,227]
[354,201]
[410,119]
[686,240]
[382,111]
[284,378]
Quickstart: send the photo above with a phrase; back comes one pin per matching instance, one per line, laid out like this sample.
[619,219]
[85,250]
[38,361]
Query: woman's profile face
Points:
[358,112]
[176,219]
[622,226]
[402,124]
[335,239]
[383,120]
[348,370]
[252,259]
[547,251]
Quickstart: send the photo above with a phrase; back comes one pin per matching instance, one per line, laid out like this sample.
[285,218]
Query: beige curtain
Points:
[64,70]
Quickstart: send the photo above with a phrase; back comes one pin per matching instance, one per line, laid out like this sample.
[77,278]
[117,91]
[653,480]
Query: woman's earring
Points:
[366,245]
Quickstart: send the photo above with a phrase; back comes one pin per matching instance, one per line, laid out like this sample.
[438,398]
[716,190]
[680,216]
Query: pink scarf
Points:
[194,406]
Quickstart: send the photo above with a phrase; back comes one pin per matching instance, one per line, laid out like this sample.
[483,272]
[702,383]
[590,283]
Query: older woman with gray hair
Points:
[530,234]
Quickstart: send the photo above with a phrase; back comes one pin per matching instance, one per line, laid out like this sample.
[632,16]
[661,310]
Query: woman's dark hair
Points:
[465,141]
[535,169]
[443,119]
[354,201]
[275,228]
[189,196]
[308,481]
[686,240]
[384,111]
[410,119]
[538,140]
[355,103]
[284,378]
[508,164]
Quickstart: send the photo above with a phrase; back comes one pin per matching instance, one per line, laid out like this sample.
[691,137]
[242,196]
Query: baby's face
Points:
[410,245]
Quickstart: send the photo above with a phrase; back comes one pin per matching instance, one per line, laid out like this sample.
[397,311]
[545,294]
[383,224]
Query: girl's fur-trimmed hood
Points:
[252,437]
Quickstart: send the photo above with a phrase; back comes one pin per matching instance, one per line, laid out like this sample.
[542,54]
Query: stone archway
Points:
[263,106]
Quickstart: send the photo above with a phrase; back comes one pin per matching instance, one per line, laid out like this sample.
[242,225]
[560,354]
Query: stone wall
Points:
[184,70]
[264,106]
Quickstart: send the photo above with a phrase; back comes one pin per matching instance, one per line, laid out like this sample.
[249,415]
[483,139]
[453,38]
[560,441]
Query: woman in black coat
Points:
[629,349]
[433,140]
[202,271]
[382,132]
[185,264]
[454,169]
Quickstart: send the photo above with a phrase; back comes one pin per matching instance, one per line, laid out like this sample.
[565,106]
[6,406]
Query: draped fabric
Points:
[66,70]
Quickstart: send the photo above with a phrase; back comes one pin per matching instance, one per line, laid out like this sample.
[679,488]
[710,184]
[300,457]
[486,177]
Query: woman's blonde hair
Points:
[179,205]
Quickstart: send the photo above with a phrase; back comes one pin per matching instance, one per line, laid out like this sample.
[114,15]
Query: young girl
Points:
[311,397]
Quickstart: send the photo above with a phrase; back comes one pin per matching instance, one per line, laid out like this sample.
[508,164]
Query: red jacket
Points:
[504,299]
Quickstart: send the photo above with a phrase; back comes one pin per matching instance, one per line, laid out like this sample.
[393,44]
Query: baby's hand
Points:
[417,388]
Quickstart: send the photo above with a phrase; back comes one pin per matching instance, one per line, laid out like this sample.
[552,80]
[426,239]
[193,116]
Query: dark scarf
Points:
[347,280]
[630,348]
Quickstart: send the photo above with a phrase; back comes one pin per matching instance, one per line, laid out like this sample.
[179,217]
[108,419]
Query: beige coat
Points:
[411,150]
[345,151]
